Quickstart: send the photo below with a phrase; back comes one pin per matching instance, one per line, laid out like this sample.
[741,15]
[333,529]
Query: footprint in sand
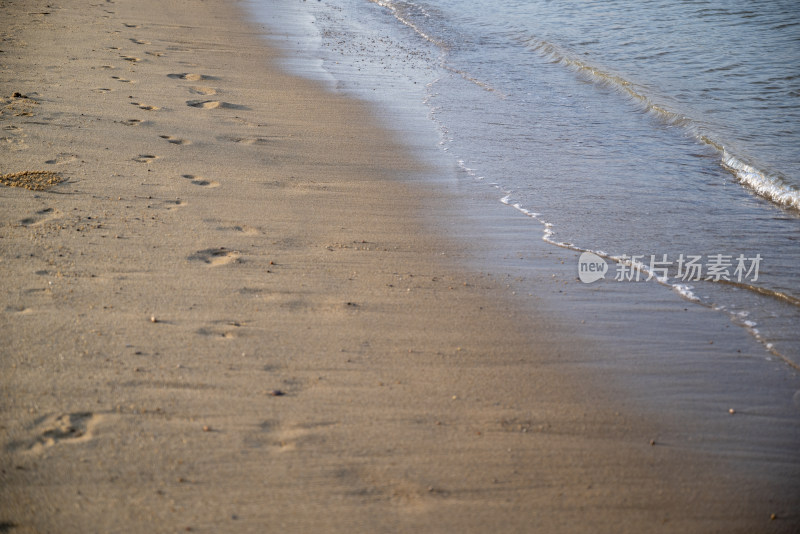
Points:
[175,204]
[145,106]
[62,158]
[212,333]
[199,180]
[123,80]
[243,122]
[240,229]
[73,427]
[247,140]
[140,42]
[200,90]
[145,158]
[287,438]
[132,59]
[133,122]
[213,104]
[102,90]
[130,25]
[41,217]
[204,104]
[225,330]
[191,77]
[175,140]
[18,309]
[215,256]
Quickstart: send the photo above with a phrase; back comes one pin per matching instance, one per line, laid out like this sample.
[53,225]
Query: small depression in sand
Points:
[201,90]
[213,104]
[55,429]
[19,309]
[215,256]
[205,104]
[175,140]
[247,140]
[146,107]
[62,158]
[41,217]
[191,77]
[202,182]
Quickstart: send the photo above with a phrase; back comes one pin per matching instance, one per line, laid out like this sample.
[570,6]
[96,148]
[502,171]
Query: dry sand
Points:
[232,315]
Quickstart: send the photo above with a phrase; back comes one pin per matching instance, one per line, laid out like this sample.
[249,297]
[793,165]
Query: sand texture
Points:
[224,309]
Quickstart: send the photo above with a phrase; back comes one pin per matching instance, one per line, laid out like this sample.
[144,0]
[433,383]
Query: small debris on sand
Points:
[33,180]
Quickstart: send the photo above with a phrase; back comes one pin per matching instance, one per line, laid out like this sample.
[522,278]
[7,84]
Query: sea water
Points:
[662,137]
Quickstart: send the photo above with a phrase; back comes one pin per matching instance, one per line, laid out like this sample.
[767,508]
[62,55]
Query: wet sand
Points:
[239,312]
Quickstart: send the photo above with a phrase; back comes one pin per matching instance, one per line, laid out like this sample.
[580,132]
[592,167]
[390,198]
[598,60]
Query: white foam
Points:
[686,292]
[770,187]
[765,186]
[391,7]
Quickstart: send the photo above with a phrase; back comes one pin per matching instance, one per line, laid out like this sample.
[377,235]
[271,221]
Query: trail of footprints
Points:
[59,429]
[212,257]
[201,90]
[78,427]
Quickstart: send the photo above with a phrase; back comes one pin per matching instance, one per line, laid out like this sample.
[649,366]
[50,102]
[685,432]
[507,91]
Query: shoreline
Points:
[351,49]
[234,313]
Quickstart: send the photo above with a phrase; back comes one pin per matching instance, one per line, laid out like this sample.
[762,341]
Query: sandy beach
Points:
[227,306]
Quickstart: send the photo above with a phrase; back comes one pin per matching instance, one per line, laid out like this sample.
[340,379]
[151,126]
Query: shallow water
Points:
[652,133]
